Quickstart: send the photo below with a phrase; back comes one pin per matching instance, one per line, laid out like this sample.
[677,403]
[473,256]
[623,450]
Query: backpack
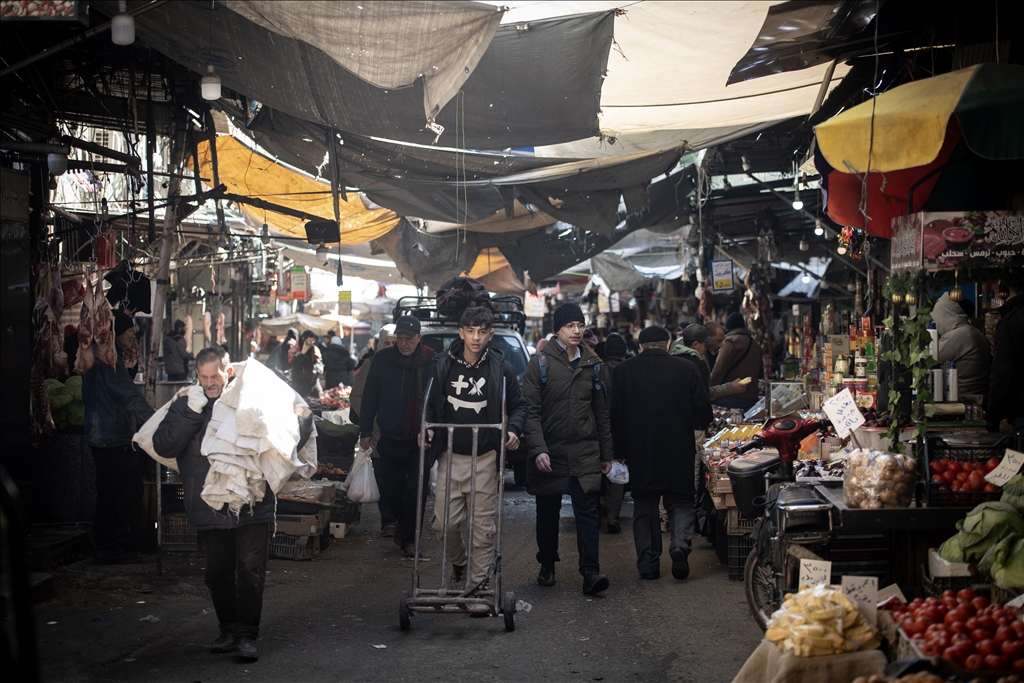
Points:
[542,360]
[459,293]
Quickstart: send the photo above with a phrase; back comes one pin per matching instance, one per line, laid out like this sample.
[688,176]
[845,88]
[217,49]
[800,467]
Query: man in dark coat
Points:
[338,364]
[393,397]
[1005,399]
[176,355]
[568,437]
[739,358]
[614,353]
[236,545]
[468,380]
[657,403]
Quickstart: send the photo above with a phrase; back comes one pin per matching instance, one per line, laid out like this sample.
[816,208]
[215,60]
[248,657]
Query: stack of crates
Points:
[175,535]
[738,543]
[300,537]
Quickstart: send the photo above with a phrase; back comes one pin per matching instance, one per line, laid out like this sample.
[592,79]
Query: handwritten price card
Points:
[813,572]
[843,413]
[863,592]
[1010,466]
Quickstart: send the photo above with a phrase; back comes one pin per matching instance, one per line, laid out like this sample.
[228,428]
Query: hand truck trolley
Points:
[484,597]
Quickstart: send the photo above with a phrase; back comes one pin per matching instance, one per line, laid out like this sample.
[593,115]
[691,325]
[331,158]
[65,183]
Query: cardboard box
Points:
[339,529]
[940,567]
[300,525]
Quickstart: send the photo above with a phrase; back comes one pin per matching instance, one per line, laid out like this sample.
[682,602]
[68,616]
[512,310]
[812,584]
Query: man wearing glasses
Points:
[568,436]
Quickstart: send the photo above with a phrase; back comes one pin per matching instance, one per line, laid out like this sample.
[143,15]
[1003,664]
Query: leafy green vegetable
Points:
[1005,562]
[74,384]
[76,413]
[1013,493]
[986,525]
[951,550]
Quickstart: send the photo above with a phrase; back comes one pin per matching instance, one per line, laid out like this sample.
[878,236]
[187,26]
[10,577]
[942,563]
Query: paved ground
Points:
[322,619]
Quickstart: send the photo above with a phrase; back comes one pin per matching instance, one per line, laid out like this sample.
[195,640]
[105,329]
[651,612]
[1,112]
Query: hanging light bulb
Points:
[104,210]
[745,163]
[804,246]
[122,26]
[210,84]
[265,235]
[321,253]
[841,250]
[818,229]
[797,202]
[806,279]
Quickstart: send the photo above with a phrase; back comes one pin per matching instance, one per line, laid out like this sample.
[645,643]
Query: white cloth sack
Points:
[619,473]
[363,487]
[144,437]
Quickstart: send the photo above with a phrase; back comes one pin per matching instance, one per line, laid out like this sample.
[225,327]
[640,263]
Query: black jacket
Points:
[497,369]
[338,366]
[658,401]
[1005,399]
[388,396]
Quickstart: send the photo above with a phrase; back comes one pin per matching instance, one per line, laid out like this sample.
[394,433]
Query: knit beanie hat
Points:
[734,322]
[567,313]
[615,346]
[652,334]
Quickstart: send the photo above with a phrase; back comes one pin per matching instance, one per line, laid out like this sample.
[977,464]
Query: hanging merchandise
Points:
[851,243]
[129,289]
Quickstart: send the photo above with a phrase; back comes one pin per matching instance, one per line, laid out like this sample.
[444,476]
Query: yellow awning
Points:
[909,126]
[487,261]
[249,173]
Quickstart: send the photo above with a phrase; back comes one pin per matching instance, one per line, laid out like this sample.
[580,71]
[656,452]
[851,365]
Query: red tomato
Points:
[991,464]
[986,647]
[971,624]
[956,627]
[990,488]
[997,663]
[979,603]
[973,662]
[952,653]
[966,648]
[966,594]
[1018,665]
[937,478]
[952,617]
[962,477]
[1004,633]
[967,467]
[1012,649]
[953,466]
[1018,627]
[914,627]
[976,481]
[988,623]
[928,649]
[948,594]
[949,477]
[936,467]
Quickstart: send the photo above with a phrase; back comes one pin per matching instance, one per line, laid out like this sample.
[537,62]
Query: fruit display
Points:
[966,629]
[882,418]
[332,399]
[876,479]
[820,621]
[963,476]
[326,471]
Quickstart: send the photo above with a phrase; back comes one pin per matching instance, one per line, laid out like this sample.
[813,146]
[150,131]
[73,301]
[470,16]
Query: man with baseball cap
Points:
[568,438]
[658,401]
[393,397]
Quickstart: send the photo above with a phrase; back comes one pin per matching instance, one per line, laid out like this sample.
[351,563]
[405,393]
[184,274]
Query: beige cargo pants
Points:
[483,532]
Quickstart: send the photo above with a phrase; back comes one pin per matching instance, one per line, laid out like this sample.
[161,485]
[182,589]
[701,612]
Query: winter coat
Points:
[497,369]
[740,357]
[388,395]
[338,366]
[176,358]
[693,357]
[113,403]
[567,418]
[964,344]
[180,436]
[1005,398]
[658,401]
[306,371]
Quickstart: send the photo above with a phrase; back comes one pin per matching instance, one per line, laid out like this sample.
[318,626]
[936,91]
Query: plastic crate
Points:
[933,586]
[287,547]
[172,497]
[940,495]
[335,450]
[738,549]
[344,510]
[175,536]
[737,525]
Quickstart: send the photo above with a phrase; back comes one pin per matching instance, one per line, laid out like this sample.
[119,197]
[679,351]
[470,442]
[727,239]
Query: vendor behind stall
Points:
[1005,399]
[963,344]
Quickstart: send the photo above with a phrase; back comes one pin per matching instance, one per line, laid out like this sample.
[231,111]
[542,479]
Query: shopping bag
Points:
[362,455]
[363,488]
[619,473]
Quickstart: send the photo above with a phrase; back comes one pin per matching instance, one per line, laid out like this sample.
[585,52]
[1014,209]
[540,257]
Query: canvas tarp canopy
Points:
[300,321]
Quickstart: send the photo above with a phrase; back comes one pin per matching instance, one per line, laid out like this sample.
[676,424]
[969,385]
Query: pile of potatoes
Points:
[877,479]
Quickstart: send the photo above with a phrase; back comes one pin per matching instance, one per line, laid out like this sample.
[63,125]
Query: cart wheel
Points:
[762,594]
[404,613]
[508,608]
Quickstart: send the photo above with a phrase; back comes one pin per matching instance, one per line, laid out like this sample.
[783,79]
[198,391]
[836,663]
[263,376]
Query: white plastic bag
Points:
[619,473]
[363,486]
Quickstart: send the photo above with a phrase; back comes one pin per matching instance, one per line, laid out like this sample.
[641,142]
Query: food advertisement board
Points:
[950,239]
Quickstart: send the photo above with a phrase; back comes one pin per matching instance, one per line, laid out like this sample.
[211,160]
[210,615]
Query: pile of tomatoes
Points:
[963,476]
[964,628]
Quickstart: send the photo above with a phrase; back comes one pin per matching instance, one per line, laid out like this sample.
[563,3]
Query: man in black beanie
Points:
[658,401]
[568,438]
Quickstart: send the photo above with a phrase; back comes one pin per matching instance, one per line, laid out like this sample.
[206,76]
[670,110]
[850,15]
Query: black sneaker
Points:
[650,576]
[409,549]
[546,575]
[680,566]
[614,528]
[246,649]
[226,643]
[388,530]
[594,584]
[458,575]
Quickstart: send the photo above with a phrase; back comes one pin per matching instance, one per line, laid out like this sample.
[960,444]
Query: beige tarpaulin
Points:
[249,173]
[301,322]
[388,44]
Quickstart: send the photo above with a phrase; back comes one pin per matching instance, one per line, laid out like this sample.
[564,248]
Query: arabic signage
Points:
[345,303]
[952,239]
[300,283]
[722,276]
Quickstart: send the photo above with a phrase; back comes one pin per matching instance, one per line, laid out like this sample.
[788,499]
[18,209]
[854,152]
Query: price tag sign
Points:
[892,590]
[843,413]
[863,592]
[1010,466]
[722,279]
[813,572]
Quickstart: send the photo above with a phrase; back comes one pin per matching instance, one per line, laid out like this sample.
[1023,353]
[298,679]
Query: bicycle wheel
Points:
[759,585]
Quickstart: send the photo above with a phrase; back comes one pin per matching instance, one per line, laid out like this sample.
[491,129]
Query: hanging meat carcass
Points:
[207,333]
[130,354]
[103,327]
[188,334]
[221,339]
[48,347]
[85,359]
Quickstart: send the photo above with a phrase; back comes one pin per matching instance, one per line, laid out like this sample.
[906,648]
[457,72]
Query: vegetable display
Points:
[963,476]
[820,621]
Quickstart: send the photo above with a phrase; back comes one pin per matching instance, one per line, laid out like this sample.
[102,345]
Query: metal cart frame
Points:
[475,599]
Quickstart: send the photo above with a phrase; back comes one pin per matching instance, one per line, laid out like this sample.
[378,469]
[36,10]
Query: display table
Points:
[889,519]
[769,664]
